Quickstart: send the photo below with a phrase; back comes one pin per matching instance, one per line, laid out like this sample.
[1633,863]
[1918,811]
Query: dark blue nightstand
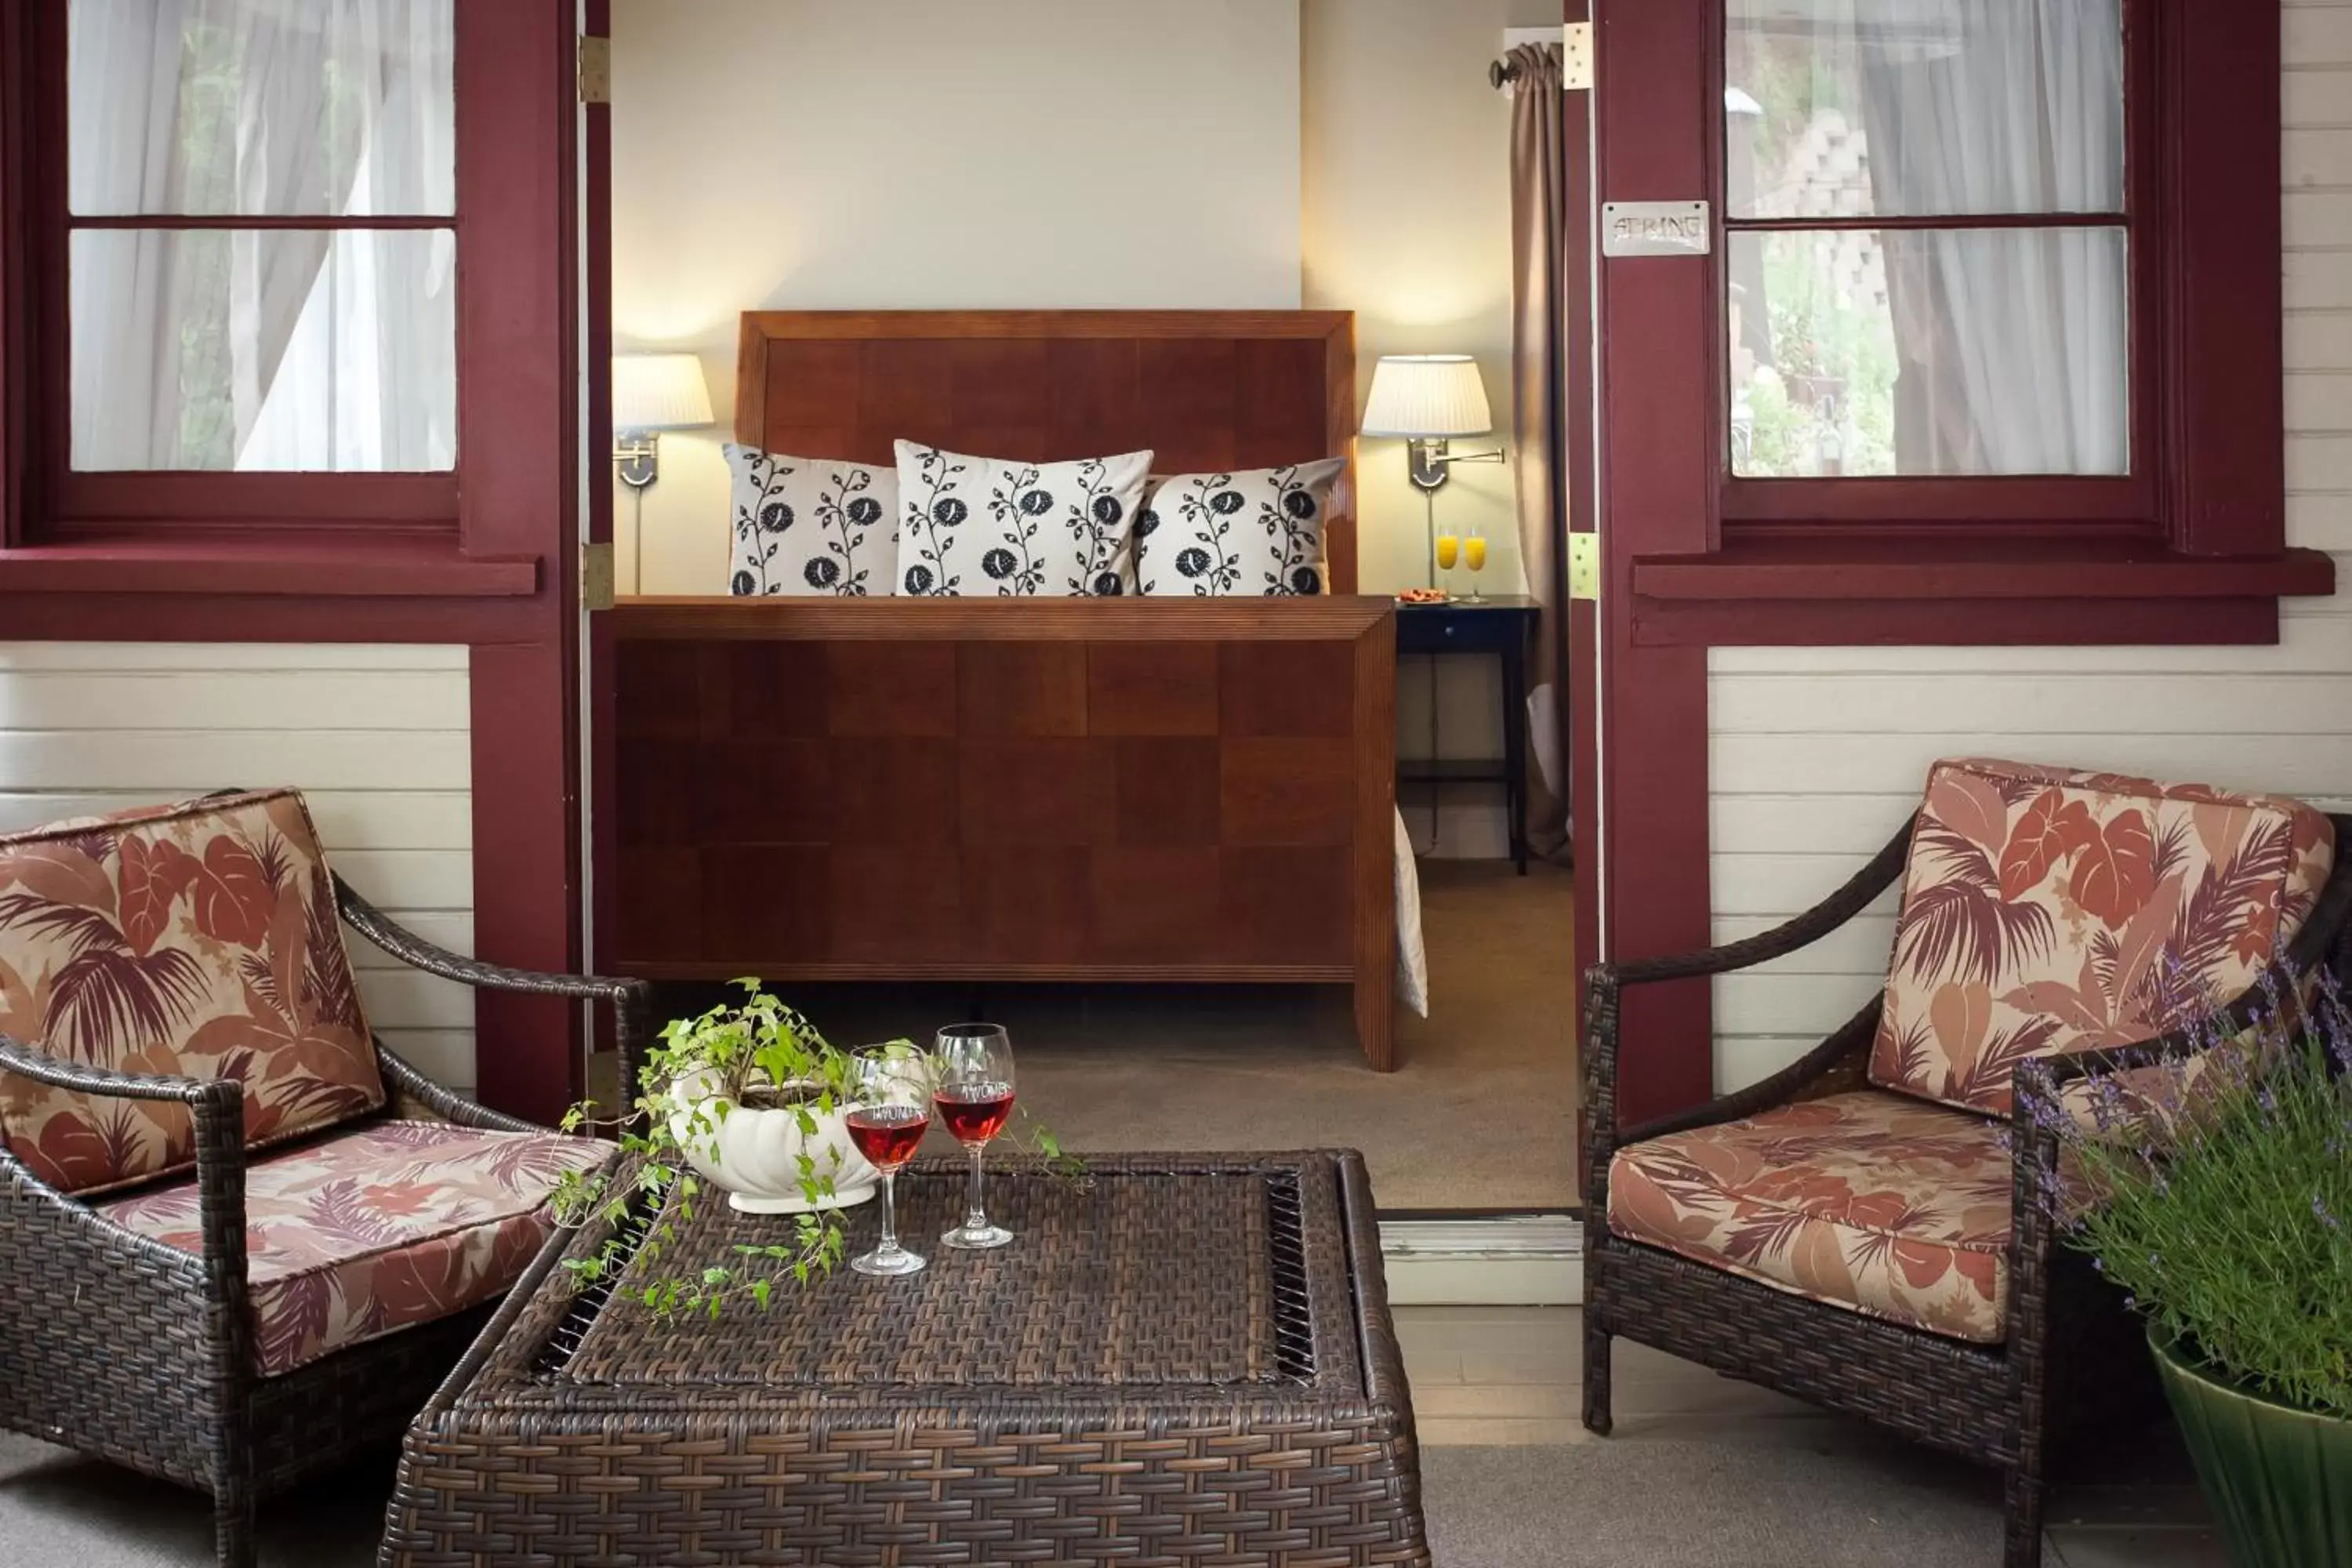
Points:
[1503,627]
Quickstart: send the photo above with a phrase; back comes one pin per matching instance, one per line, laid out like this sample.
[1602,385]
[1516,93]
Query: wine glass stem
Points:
[889,1247]
[976,1220]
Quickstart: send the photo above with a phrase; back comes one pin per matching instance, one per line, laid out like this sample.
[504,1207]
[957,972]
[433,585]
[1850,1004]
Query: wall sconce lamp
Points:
[1429,399]
[651,394]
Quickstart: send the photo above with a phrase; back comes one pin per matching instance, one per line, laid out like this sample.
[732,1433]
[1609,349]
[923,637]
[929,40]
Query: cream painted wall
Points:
[1406,215]
[1817,755]
[909,153]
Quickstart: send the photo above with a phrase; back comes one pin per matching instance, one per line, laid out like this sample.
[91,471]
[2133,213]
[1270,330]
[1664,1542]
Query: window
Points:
[1927,239]
[259,252]
[1987,348]
[235,232]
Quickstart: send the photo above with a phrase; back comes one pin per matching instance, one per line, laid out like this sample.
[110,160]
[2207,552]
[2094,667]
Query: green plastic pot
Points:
[2280,1479]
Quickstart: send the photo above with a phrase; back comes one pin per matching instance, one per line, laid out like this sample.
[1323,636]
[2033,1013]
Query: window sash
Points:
[2055,505]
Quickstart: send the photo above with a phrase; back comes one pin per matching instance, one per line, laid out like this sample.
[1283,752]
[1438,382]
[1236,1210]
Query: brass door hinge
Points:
[1584,566]
[596,68]
[596,583]
[1576,57]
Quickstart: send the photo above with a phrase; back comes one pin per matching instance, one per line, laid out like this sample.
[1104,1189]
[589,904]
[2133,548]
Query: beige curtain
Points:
[1538,431]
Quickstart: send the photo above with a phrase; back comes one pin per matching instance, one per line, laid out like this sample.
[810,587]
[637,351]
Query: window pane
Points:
[254,350]
[260,107]
[1989,350]
[1861,108]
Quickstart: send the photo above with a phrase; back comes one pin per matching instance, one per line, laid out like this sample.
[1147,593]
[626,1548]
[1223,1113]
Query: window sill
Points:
[1943,591]
[412,566]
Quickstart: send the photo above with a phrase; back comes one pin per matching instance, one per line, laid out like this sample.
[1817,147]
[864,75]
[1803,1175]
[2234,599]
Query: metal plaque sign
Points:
[1655,228]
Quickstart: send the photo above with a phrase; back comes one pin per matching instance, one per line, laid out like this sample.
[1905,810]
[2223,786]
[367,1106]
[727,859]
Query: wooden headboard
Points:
[1207,391]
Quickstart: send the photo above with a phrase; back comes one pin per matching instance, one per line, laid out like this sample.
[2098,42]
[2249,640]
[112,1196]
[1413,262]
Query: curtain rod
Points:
[1503,72]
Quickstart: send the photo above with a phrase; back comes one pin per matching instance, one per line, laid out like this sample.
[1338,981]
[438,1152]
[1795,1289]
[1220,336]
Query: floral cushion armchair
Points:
[239,1240]
[1868,1229]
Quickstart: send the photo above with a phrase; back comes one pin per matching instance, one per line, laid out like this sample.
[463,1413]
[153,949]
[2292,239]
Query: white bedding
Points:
[1412,958]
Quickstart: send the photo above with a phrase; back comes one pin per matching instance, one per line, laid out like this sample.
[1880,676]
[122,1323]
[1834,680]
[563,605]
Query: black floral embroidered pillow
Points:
[1259,532]
[977,526]
[809,525]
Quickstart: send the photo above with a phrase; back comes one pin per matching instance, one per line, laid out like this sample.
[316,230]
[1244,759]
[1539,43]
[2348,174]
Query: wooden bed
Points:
[1032,789]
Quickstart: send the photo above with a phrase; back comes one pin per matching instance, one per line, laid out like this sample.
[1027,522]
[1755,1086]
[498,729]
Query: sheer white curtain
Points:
[263,348]
[2013,343]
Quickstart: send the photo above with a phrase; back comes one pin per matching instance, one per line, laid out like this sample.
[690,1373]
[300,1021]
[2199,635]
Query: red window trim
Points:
[2190,549]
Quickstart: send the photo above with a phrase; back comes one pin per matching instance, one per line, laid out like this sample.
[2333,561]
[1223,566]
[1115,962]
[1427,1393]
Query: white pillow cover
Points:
[979,525]
[1257,531]
[811,525]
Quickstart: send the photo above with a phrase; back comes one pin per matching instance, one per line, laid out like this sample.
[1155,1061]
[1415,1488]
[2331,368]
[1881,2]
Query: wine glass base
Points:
[888,1265]
[970,1238]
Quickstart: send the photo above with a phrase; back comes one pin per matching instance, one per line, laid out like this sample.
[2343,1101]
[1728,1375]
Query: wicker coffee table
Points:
[1191,1362]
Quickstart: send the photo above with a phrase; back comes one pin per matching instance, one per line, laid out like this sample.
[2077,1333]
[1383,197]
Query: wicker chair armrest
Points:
[631,1000]
[83,1079]
[1603,983]
[1859,891]
[217,1106]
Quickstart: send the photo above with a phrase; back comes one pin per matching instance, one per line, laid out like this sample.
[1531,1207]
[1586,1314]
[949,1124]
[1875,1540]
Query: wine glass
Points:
[888,1117]
[971,1088]
[1473,556]
[1449,550]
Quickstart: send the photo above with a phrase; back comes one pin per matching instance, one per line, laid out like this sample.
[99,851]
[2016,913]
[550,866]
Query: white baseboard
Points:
[1536,1260]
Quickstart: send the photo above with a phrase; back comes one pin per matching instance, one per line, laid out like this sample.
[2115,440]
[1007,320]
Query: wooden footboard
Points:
[980,789]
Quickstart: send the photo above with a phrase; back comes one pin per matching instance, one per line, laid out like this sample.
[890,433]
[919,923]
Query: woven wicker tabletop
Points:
[1189,1360]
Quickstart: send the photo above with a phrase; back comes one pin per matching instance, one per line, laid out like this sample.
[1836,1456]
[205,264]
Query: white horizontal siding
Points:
[376,737]
[1816,755]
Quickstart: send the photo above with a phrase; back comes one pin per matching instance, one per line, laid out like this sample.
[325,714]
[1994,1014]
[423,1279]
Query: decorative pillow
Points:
[2045,912]
[985,525]
[1256,532]
[199,940]
[811,525]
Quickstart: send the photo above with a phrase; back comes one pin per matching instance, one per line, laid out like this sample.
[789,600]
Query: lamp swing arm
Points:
[1428,458]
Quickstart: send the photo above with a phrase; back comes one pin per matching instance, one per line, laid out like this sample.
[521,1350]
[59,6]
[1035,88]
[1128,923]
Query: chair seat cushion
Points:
[386,1225]
[1874,1201]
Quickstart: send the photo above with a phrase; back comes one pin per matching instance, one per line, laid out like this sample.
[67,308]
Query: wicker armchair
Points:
[1874,1240]
[175,1293]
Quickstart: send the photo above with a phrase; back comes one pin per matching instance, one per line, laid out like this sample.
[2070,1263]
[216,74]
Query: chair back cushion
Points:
[198,940]
[2046,911]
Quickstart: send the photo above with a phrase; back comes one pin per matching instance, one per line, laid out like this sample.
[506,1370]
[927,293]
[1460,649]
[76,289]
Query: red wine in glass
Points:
[887,1135]
[971,1085]
[886,1121]
[975,1112]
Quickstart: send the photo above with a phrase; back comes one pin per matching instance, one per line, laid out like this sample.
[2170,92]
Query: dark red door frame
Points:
[1656,444]
[327,581]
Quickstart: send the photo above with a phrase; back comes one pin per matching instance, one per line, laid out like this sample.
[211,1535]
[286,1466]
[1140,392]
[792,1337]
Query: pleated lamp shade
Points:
[1425,396]
[659,392]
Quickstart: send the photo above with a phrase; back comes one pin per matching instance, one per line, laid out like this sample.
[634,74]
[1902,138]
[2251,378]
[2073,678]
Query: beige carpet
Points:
[1480,1114]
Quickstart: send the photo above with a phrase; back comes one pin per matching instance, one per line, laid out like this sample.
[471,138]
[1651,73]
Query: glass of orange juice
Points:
[1473,556]
[1449,551]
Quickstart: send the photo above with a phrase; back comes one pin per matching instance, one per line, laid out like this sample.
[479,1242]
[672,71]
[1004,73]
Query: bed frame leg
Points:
[1376,1018]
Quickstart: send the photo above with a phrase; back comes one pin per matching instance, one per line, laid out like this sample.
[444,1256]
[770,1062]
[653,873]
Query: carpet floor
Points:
[1481,1112]
[1625,1504]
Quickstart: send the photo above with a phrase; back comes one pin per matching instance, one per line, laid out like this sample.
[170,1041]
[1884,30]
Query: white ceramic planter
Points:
[755,1152]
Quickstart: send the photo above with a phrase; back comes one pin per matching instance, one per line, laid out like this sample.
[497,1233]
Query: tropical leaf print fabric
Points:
[200,940]
[1256,532]
[809,526]
[372,1230]
[982,526]
[1868,1201]
[2046,911]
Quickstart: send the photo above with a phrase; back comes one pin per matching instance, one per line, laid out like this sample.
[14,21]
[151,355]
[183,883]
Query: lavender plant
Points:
[2222,1200]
